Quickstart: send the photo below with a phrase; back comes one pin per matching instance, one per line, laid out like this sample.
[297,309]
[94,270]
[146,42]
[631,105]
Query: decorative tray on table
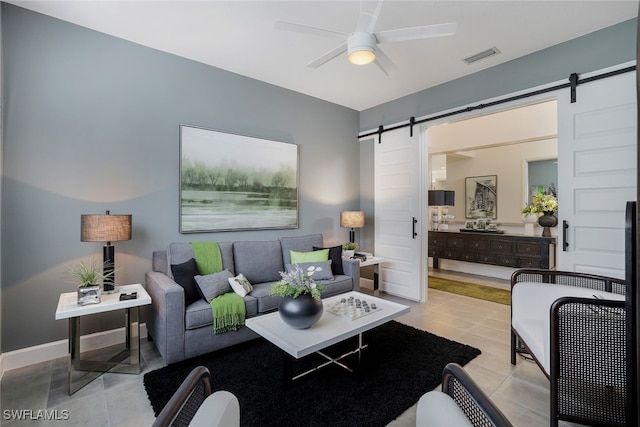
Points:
[470,230]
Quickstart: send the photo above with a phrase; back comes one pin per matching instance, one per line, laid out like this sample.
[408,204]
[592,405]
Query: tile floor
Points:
[522,393]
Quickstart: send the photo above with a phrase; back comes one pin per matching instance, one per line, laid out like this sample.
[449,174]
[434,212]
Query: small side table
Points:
[82,372]
[375,261]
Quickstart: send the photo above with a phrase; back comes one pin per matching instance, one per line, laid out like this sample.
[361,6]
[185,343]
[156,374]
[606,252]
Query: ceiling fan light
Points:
[361,48]
[362,57]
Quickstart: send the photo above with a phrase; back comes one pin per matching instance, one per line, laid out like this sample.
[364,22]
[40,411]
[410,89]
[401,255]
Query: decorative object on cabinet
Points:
[106,228]
[505,250]
[352,220]
[236,182]
[481,197]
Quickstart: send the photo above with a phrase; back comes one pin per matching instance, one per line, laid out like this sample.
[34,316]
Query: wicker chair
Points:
[461,402]
[585,355]
[193,404]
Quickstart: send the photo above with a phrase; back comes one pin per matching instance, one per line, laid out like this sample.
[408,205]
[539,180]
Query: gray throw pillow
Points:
[325,274]
[213,285]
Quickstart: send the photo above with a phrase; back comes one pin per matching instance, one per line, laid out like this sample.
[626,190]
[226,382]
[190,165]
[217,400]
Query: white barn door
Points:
[397,211]
[596,174]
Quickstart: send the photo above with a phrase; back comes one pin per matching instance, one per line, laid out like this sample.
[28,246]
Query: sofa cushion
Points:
[259,261]
[180,252]
[324,273]
[240,285]
[339,285]
[335,255]
[214,285]
[184,275]
[299,244]
[266,302]
[531,304]
[313,256]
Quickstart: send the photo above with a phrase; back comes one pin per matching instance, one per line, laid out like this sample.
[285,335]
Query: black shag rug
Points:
[400,365]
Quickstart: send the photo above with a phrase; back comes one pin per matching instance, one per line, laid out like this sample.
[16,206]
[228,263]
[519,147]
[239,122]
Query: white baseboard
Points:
[54,350]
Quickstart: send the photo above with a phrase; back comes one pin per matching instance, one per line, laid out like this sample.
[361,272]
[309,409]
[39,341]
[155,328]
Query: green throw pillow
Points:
[313,256]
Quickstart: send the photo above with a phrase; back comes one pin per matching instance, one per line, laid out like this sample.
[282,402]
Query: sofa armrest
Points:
[166,318]
[351,268]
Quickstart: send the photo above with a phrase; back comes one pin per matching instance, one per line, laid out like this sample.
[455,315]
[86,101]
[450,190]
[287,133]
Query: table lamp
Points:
[438,199]
[106,228]
[351,220]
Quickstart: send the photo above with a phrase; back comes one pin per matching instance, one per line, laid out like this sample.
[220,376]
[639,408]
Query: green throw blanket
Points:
[228,312]
[228,309]
[208,257]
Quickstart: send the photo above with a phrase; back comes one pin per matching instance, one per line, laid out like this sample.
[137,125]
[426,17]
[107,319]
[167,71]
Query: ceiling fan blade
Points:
[328,56]
[367,21]
[305,29]
[384,63]
[416,33]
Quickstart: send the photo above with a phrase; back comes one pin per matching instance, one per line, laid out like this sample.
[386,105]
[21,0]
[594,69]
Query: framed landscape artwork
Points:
[481,197]
[236,182]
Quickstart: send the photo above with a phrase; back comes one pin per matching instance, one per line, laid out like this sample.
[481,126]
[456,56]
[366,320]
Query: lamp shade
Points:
[105,228]
[441,198]
[352,219]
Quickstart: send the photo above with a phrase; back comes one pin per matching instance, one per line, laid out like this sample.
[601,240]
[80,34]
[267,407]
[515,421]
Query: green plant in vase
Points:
[349,248]
[88,277]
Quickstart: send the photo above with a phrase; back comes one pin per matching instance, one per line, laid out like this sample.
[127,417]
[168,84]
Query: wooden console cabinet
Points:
[507,250]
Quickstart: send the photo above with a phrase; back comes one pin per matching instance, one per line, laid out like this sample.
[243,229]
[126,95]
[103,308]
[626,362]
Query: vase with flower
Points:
[547,204]
[301,306]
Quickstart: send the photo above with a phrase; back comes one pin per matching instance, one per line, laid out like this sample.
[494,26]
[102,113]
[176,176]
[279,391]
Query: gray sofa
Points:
[181,332]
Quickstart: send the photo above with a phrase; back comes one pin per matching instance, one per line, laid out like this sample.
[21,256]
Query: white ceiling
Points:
[239,36]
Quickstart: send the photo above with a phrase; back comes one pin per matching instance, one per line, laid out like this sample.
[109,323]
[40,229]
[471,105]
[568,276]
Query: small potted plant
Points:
[302,306]
[349,249]
[89,277]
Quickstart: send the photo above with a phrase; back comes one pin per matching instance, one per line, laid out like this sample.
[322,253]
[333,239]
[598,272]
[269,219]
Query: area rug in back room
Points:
[400,364]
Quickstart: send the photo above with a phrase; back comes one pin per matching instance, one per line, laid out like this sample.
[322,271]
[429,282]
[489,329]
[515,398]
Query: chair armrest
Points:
[351,268]
[186,401]
[165,320]
[475,404]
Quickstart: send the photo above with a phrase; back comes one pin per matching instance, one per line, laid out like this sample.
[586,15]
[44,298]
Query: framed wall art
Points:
[236,182]
[481,197]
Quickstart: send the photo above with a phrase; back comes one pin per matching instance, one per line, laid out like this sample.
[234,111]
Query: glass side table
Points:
[375,261]
[82,372]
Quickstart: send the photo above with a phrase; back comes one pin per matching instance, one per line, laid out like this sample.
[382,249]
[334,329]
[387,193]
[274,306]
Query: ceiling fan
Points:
[362,46]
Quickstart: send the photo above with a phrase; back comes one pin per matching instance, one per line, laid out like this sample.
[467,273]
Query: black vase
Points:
[546,221]
[302,312]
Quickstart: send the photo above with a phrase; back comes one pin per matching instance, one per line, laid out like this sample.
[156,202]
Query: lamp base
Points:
[115,290]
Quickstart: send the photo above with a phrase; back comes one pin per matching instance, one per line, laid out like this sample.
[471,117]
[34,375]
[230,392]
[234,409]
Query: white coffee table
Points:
[330,329]
[81,372]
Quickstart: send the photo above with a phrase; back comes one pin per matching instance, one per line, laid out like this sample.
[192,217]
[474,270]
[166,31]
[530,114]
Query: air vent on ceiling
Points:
[478,56]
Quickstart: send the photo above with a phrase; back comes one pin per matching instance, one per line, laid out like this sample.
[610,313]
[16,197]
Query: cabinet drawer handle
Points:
[499,246]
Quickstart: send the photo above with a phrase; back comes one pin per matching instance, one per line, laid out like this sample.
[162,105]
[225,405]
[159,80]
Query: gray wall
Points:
[601,49]
[92,123]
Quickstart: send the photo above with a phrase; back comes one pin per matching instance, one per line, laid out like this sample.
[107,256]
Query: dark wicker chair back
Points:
[470,398]
[588,341]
